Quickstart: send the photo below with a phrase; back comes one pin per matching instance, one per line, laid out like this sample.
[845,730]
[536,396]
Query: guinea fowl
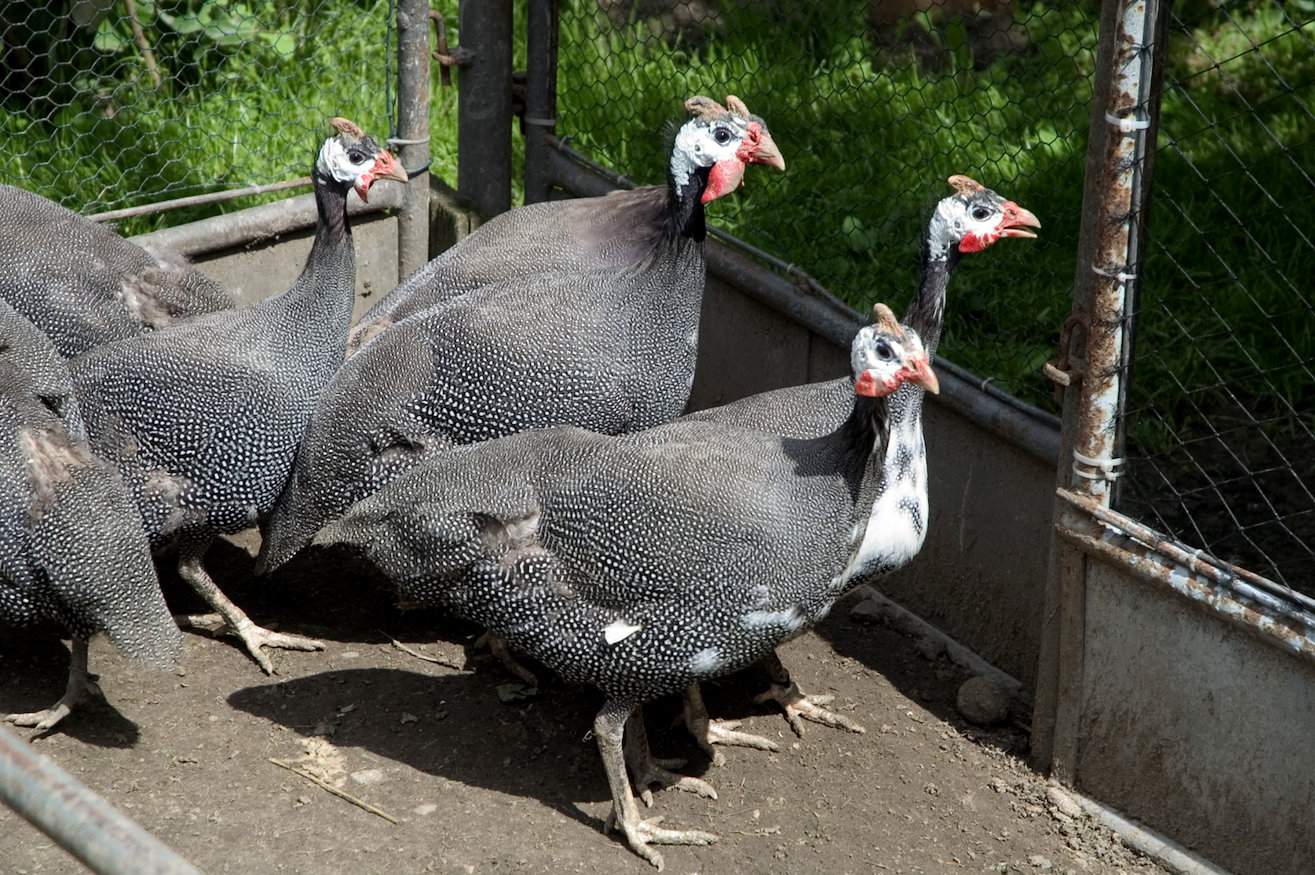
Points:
[970,220]
[203,418]
[84,285]
[645,562]
[617,232]
[72,549]
[577,313]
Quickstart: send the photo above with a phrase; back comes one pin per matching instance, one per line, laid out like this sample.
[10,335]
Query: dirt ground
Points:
[482,778]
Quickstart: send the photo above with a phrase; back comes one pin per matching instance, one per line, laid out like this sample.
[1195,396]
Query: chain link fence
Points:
[873,103]
[118,103]
[1219,425]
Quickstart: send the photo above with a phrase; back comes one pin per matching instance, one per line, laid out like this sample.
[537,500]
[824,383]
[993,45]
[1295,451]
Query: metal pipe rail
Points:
[78,820]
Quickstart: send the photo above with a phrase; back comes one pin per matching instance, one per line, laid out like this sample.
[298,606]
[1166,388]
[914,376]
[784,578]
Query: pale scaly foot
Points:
[648,771]
[81,688]
[708,732]
[230,619]
[497,645]
[609,730]
[797,706]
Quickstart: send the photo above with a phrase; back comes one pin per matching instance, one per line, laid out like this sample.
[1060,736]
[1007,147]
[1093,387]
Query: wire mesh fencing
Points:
[1219,424]
[116,103]
[874,103]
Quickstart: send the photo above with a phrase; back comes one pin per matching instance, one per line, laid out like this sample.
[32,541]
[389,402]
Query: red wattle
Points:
[722,179]
[867,385]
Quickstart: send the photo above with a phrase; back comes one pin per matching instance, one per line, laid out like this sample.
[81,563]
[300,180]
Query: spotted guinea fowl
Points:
[583,313]
[203,418]
[645,562]
[617,232]
[84,285]
[970,220]
[72,549]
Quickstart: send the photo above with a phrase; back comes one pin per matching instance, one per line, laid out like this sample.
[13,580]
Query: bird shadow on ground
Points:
[451,726]
[35,669]
[929,678]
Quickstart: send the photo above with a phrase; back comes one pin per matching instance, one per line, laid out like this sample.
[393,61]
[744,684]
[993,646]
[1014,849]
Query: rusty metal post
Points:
[1115,265]
[540,97]
[78,820]
[413,133]
[484,107]
[1124,106]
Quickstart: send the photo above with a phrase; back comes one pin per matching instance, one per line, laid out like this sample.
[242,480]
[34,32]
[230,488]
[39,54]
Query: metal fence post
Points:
[413,133]
[1124,110]
[540,97]
[78,820]
[484,109]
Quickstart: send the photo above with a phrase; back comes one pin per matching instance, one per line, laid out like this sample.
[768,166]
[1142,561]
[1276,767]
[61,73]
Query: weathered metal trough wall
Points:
[1173,686]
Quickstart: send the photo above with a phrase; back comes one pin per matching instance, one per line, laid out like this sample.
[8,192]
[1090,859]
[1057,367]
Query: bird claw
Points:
[43,721]
[708,732]
[799,707]
[640,834]
[656,774]
[253,637]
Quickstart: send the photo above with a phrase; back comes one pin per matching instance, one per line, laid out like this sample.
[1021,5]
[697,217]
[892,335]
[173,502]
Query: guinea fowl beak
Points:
[918,371]
[1017,220]
[764,150]
[385,167]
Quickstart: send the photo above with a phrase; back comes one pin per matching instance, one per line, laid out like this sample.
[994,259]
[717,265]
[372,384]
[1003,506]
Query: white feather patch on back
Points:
[619,630]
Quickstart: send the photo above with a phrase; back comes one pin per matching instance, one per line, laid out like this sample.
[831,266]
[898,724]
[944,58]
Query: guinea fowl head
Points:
[885,355]
[724,139]
[973,218]
[351,158]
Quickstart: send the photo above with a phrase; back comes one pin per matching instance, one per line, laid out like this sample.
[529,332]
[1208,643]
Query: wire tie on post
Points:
[1120,275]
[540,122]
[1128,125]
[398,141]
[1104,469]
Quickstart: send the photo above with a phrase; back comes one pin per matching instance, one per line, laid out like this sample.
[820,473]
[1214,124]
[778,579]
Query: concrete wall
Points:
[254,272]
[1195,727]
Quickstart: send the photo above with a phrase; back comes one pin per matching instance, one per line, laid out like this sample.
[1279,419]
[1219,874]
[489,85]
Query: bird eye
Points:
[981,214]
[722,136]
[355,156]
[884,352]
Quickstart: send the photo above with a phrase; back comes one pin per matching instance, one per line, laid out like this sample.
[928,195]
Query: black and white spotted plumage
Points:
[645,562]
[625,561]
[71,548]
[83,285]
[203,418]
[974,217]
[578,313]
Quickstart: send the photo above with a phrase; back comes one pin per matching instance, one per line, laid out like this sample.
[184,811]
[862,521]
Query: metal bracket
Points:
[447,57]
[1062,371]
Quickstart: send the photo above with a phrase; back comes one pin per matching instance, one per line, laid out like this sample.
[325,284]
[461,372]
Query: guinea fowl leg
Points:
[708,732]
[797,706]
[81,687]
[235,621]
[609,730]
[497,645]
[648,771]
